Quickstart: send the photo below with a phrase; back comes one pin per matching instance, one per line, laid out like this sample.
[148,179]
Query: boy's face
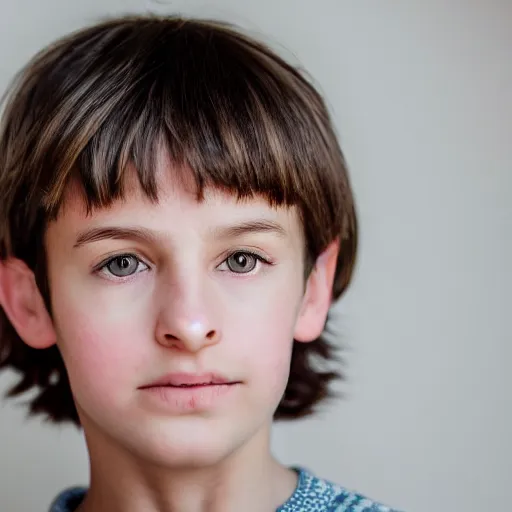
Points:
[208,293]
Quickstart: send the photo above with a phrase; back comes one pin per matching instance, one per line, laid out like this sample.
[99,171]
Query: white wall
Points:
[422,97]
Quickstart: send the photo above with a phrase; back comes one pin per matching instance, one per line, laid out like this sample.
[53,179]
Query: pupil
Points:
[125,263]
[241,260]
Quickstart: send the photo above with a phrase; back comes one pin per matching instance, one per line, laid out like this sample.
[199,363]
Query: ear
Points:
[23,304]
[318,296]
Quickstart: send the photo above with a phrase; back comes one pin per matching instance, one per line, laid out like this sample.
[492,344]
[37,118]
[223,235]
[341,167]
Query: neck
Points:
[249,479]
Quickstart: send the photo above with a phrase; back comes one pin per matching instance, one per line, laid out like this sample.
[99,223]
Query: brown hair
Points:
[222,104]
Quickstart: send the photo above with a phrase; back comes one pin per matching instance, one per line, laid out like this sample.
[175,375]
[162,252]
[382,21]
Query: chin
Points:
[187,454]
[188,441]
[187,444]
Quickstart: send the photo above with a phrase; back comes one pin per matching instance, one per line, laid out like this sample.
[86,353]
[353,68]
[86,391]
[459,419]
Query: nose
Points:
[186,319]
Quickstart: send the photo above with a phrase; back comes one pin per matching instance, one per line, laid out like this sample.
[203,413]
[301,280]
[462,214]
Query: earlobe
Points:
[23,304]
[318,296]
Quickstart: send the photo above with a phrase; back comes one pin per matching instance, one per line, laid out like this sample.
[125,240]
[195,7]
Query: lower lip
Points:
[190,398]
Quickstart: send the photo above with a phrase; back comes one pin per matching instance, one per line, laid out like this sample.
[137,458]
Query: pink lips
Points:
[183,393]
[189,380]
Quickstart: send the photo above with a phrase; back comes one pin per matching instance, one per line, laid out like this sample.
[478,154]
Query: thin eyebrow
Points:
[255,226]
[114,233]
[146,235]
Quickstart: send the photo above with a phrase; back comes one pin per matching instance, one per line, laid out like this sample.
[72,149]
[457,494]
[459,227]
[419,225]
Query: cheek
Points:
[102,349]
[269,352]
[260,329]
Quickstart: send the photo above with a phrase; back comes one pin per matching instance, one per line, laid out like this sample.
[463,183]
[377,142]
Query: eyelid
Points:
[120,280]
[107,259]
[253,252]
[260,260]
[101,268]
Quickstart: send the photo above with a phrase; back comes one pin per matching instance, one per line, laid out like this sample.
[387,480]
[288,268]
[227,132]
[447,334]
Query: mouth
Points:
[184,393]
[187,380]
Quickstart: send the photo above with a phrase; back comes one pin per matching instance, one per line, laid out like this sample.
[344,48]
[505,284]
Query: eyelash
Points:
[102,268]
[260,259]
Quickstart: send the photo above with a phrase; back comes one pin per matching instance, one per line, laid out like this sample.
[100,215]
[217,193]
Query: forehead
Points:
[177,207]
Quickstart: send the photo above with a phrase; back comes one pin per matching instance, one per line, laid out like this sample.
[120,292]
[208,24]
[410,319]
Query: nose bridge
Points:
[186,296]
[187,320]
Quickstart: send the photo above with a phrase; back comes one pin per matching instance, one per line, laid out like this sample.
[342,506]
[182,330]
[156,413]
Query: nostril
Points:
[210,335]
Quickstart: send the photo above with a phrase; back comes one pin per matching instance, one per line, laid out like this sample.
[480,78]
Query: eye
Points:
[124,265]
[243,262]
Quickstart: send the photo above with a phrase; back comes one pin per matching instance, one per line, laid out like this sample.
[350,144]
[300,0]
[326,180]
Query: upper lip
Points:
[189,379]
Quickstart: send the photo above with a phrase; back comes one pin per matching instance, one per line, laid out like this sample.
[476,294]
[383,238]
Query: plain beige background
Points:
[421,93]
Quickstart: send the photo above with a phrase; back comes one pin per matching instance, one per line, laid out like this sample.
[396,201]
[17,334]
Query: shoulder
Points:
[314,494]
[68,500]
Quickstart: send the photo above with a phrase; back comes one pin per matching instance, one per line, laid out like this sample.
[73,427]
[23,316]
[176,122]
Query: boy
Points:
[176,219]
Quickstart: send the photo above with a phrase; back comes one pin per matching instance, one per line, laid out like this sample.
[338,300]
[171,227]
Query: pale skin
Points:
[195,301]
